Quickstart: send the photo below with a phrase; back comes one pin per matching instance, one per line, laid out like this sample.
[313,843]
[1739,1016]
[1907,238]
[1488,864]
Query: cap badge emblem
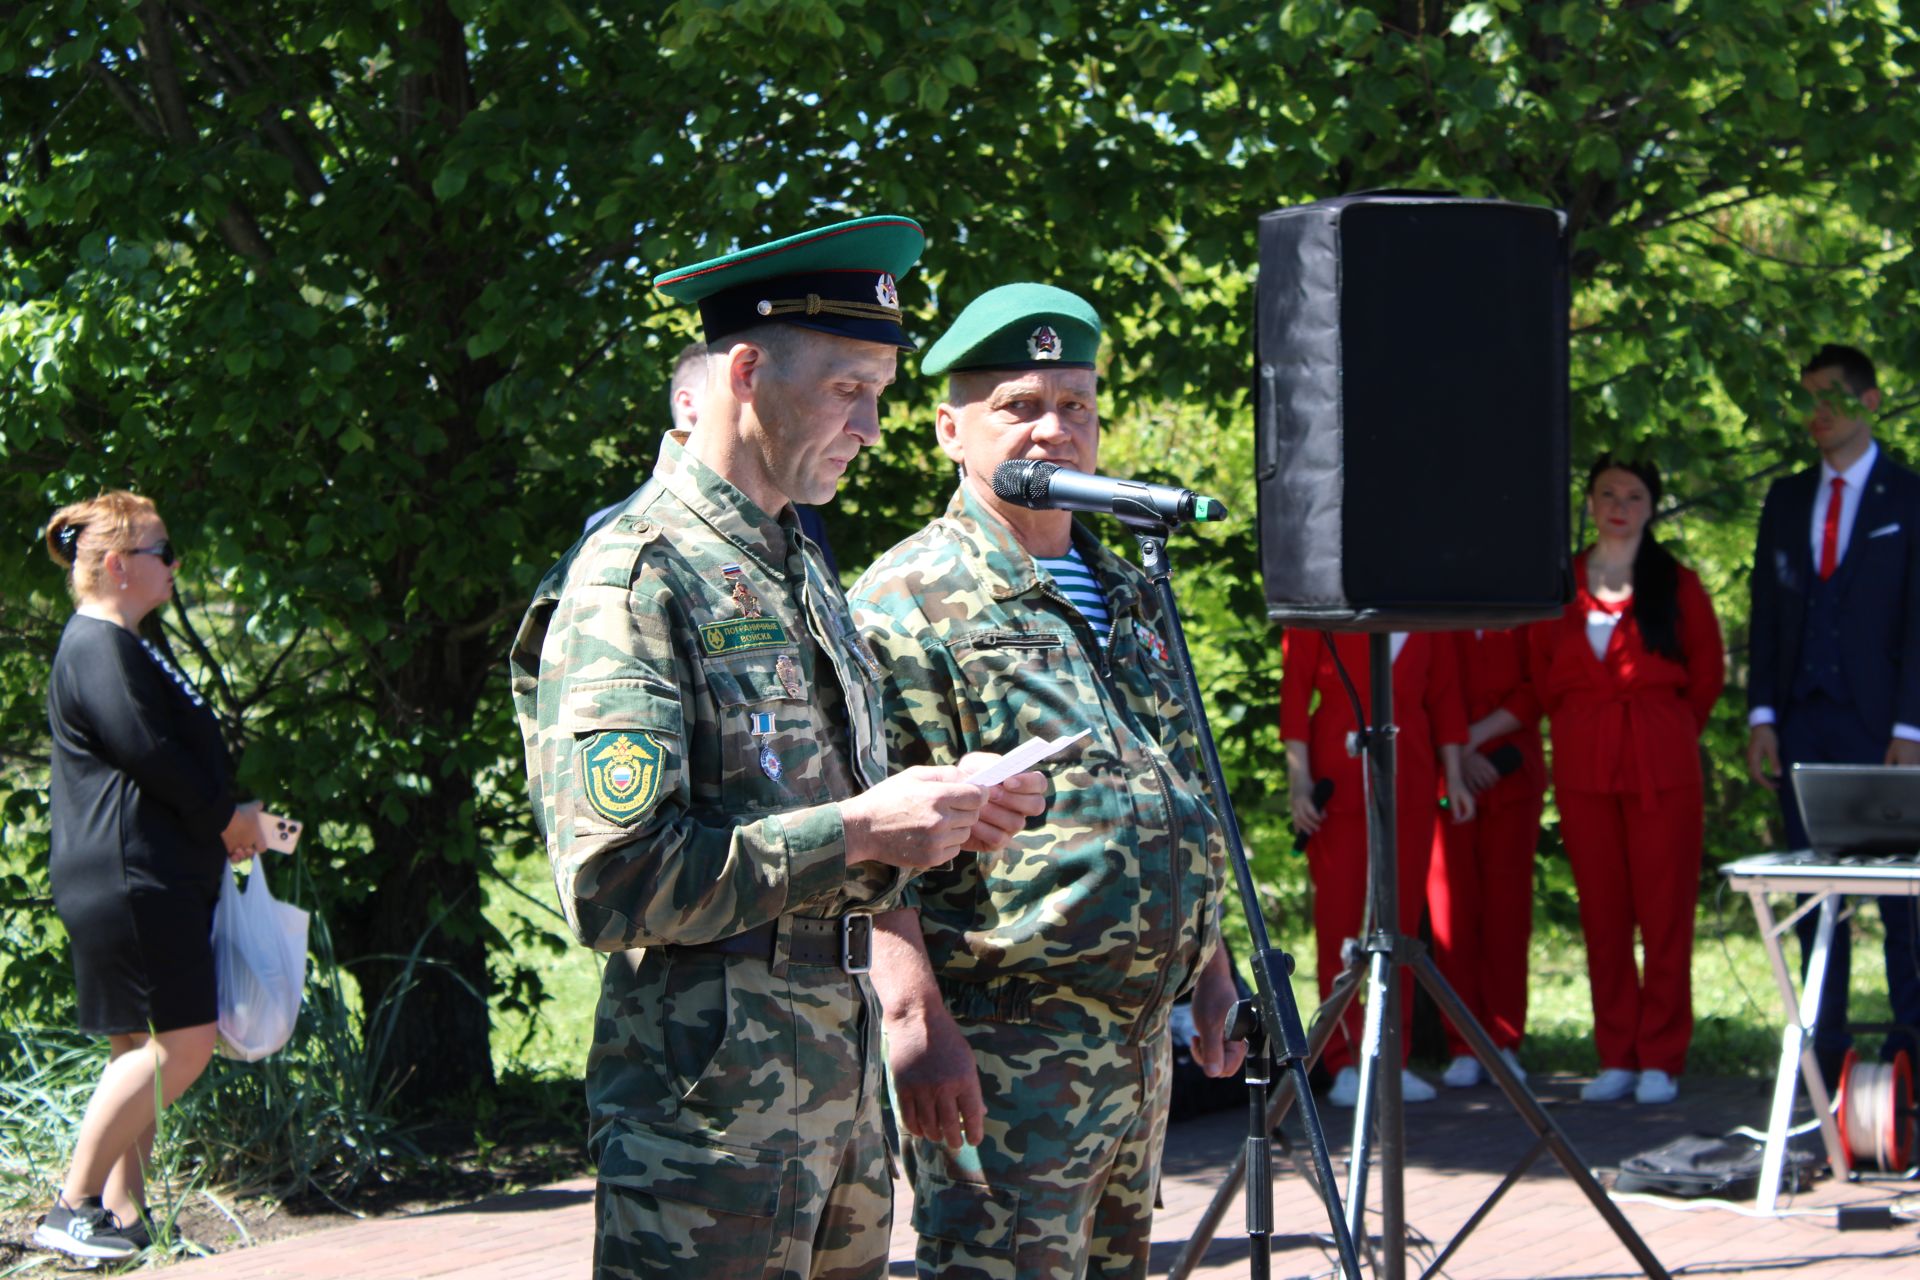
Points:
[1044,344]
[887,292]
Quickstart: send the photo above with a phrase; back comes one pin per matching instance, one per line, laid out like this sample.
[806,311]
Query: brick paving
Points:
[1458,1149]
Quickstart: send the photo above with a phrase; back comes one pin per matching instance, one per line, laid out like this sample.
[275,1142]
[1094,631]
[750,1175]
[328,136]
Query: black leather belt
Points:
[840,942]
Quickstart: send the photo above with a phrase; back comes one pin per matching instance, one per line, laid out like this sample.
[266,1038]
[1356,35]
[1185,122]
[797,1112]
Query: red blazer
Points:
[1631,721]
[1426,706]
[1494,674]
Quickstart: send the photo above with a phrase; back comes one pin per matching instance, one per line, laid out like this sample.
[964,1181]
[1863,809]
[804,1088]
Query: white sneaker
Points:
[1346,1088]
[1513,1061]
[1462,1073]
[1414,1089]
[1656,1087]
[1610,1085]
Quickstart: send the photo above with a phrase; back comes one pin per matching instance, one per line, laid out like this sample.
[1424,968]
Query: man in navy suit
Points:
[1835,673]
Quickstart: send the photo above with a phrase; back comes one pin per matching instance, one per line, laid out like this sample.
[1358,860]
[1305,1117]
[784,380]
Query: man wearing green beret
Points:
[708,770]
[1027,991]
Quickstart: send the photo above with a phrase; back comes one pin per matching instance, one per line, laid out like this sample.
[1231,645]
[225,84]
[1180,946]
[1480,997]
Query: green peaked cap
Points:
[841,279]
[1019,326]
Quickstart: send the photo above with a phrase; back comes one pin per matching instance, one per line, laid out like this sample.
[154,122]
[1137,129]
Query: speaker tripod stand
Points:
[1379,1114]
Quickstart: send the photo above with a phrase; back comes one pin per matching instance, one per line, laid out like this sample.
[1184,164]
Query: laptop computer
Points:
[1859,809]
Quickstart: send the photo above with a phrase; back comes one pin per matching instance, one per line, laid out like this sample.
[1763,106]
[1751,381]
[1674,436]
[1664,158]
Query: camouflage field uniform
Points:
[1061,956]
[678,659]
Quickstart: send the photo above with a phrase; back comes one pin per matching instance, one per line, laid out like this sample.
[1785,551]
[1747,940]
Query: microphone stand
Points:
[1270,1022]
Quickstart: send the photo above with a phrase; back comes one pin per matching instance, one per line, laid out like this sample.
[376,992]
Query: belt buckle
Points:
[856,942]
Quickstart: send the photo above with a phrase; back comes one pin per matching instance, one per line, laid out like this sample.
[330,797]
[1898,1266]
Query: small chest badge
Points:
[743,595]
[789,673]
[1044,344]
[887,292]
[1149,639]
[769,762]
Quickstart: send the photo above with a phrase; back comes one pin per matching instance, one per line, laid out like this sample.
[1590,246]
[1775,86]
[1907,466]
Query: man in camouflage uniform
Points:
[708,770]
[1027,993]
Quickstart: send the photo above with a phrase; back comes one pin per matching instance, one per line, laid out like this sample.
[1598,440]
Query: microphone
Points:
[1505,758]
[1048,486]
[1322,792]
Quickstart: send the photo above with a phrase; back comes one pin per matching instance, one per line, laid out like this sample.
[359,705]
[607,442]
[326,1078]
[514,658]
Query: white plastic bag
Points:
[260,965]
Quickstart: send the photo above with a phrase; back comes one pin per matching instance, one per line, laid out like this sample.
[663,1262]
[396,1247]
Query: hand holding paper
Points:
[1014,793]
[1022,758]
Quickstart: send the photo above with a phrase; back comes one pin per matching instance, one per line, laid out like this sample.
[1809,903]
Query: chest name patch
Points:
[738,635]
[623,770]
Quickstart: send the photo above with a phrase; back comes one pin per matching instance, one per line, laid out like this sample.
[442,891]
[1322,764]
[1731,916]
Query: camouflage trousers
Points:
[738,1130]
[1062,1183]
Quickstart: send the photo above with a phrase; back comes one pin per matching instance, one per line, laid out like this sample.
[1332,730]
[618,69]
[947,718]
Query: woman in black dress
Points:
[143,819]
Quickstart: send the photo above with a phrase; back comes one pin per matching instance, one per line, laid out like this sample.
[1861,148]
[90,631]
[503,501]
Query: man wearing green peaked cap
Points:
[708,771]
[1028,993]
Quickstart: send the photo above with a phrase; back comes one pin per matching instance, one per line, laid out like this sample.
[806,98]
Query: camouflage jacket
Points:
[695,701]
[1100,912]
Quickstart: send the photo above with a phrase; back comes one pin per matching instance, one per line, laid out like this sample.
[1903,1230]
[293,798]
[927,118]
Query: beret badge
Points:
[1044,344]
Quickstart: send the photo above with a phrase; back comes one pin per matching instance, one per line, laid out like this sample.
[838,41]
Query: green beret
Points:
[1019,326]
[842,279]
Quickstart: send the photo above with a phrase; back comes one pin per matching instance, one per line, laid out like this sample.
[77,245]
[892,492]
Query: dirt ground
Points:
[201,1226]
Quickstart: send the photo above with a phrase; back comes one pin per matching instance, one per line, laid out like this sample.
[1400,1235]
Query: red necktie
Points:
[1830,536]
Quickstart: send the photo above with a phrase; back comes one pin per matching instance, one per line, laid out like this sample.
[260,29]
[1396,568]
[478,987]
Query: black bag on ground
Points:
[1703,1165]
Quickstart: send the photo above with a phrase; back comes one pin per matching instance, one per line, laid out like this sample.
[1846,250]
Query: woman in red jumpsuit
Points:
[1433,729]
[1480,884]
[1628,675]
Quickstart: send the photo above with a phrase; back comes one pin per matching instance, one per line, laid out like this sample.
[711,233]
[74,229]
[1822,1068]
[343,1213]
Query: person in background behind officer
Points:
[141,814]
[1480,884]
[685,390]
[1027,992]
[1433,728]
[1835,670]
[1628,675]
[684,394]
[707,767]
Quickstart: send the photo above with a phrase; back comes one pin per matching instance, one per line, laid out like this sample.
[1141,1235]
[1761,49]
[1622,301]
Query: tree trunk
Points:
[421,937]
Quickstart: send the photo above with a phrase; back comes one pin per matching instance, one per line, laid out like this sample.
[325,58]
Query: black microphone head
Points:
[1024,480]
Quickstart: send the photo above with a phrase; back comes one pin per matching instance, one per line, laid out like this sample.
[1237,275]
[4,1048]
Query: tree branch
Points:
[229,69]
[126,97]
[237,227]
[205,654]
[1852,264]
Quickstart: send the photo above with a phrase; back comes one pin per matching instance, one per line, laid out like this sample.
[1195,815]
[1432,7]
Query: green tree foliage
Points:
[359,292]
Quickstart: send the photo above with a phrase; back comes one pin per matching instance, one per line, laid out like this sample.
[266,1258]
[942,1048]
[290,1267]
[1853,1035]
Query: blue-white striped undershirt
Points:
[1077,584]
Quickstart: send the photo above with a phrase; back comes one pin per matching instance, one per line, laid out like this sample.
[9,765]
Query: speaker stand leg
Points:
[1521,1099]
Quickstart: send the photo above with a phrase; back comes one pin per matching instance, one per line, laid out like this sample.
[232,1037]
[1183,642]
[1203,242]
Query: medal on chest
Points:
[789,673]
[763,734]
[1149,639]
[743,597]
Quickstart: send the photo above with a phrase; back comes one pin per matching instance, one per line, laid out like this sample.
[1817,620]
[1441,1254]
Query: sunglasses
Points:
[163,549]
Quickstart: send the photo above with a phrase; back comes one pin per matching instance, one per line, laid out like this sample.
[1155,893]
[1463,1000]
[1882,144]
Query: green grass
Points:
[553,1042]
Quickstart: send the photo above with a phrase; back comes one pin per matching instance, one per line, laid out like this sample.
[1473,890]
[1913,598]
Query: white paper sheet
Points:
[1022,758]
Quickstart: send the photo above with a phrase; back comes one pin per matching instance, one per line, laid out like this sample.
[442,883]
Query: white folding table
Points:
[1825,881]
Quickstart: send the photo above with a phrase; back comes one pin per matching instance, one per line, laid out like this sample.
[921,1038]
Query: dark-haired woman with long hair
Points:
[1628,675]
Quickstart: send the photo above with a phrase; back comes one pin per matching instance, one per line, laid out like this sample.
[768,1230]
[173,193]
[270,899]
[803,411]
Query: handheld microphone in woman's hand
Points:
[1322,792]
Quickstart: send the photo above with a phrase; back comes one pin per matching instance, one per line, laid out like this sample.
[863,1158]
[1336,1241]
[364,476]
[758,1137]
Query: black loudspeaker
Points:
[1411,409]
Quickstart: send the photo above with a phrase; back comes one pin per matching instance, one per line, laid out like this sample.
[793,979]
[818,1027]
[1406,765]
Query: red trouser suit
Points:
[1626,773]
[1480,883]
[1428,711]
